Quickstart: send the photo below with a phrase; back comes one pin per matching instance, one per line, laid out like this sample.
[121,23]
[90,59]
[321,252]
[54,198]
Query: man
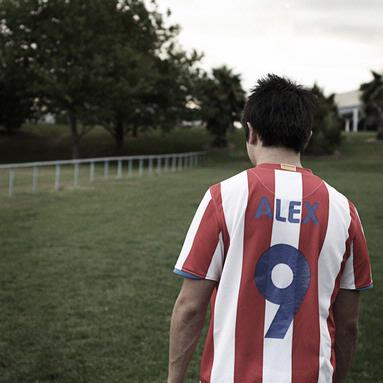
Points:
[280,254]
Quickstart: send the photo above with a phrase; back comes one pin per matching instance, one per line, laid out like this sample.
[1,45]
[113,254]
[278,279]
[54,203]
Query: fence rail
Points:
[157,163]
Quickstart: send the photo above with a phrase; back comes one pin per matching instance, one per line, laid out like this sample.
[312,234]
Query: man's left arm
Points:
[186,325]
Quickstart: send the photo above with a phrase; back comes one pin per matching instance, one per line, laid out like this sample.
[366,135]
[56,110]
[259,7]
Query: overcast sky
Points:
[333,42]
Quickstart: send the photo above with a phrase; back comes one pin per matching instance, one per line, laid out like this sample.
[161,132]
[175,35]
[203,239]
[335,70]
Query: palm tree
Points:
[221,98]
[372,98]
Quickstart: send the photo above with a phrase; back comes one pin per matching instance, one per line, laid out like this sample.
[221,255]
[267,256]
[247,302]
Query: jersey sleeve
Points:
[357,271]
[202,253]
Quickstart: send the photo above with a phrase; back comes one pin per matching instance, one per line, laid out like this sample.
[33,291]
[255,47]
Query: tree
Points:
[372,98]
[144,72]
[148,84]
[327,128]
[16,95]
[221,99]
[97,61]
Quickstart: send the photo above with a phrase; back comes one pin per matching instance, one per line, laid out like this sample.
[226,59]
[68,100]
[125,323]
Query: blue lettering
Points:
[278,211]
[293,211]
[311,212]
[264,209]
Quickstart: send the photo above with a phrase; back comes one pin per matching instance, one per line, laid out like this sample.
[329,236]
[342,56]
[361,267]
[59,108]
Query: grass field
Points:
[86,288]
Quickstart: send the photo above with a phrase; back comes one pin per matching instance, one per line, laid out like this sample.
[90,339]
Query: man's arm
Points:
[187,322]
[346,313]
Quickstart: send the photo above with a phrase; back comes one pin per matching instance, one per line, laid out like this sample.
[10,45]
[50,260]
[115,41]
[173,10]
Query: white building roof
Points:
[348,99]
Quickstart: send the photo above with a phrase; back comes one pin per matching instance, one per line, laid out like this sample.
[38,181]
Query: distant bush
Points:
[327,129]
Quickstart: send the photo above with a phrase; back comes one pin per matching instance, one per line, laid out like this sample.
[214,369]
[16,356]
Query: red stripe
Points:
[215,192]
[251,304]
[361,261]
[204,243]
[306,331]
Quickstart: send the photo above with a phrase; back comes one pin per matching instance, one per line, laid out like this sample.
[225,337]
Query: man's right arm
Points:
[346,314]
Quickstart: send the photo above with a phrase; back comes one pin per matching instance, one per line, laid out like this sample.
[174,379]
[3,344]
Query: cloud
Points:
[333,42]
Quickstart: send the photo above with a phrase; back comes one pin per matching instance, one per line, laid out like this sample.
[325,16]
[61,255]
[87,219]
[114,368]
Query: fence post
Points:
[196,159]
[91,172]
[130,167]
[174,159]
[140,166]
[159,164]
[76,173]
[180,162]
[57,177]
[119,169]
[35,174]
[150,166]
[166,168]
[11,182]
[106,169]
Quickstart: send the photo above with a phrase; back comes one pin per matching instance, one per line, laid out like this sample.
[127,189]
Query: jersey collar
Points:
[287,167]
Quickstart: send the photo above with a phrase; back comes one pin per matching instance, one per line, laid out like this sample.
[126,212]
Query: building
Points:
[350,108]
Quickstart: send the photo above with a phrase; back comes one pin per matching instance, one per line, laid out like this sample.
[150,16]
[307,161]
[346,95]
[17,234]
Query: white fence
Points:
[128,165]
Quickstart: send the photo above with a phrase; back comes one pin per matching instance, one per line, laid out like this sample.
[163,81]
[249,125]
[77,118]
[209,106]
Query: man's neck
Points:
[278,156]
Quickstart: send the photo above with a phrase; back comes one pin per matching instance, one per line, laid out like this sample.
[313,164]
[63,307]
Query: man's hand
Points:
[187,322]
[346,313]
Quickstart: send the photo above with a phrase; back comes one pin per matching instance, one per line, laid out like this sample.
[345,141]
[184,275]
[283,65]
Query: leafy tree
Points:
[327,129]
[108,62]
[16,96]
[221,99]
[146,72]
[372,98]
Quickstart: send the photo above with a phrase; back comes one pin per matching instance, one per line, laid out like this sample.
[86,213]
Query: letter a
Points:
[263,209]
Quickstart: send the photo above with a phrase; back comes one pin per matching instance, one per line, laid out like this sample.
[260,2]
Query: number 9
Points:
[290,297]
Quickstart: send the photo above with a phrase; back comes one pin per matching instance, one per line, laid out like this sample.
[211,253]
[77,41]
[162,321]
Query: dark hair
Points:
[280,112]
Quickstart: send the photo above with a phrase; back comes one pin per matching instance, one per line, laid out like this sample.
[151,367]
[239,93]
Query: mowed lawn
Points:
[86,282]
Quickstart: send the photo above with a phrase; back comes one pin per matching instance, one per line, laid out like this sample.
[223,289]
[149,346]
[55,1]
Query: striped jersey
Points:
[280,242]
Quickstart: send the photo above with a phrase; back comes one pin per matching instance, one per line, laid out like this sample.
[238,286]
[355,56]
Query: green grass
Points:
[86,288]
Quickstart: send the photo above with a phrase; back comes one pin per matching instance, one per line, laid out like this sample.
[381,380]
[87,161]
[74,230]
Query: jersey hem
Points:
[363,288]
[185,274]
[370,286]
[191,274]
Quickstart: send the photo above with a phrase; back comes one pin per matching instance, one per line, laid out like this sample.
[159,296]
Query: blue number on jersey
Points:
[289,298]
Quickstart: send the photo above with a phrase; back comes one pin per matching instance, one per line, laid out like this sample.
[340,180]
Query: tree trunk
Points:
[135,130]
[75,137]
[119,136]
[379,136]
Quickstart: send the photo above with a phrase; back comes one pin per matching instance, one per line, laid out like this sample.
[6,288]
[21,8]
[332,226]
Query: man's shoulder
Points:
[335,195]
[231,186]
[234,182]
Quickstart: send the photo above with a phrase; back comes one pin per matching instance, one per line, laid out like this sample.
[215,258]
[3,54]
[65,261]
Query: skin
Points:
[190,307]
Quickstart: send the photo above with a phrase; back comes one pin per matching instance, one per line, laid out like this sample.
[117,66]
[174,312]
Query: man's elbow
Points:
[188,311]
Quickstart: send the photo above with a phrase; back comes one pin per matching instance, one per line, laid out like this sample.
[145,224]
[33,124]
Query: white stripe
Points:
[347,280]
[189,239]
[329,264]
[277,353]
[215,267]
[234,193]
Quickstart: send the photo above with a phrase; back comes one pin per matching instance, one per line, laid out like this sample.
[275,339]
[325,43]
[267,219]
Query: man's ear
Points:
[307,142]
[253,138]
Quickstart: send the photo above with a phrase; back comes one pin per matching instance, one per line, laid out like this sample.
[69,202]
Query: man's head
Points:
[278,114]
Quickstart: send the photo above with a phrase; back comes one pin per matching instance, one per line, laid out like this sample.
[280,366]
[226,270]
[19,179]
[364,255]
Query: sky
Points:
[332,42]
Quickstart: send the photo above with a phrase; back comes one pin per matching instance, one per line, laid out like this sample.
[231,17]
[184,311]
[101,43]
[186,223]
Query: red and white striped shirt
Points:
[280,242]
